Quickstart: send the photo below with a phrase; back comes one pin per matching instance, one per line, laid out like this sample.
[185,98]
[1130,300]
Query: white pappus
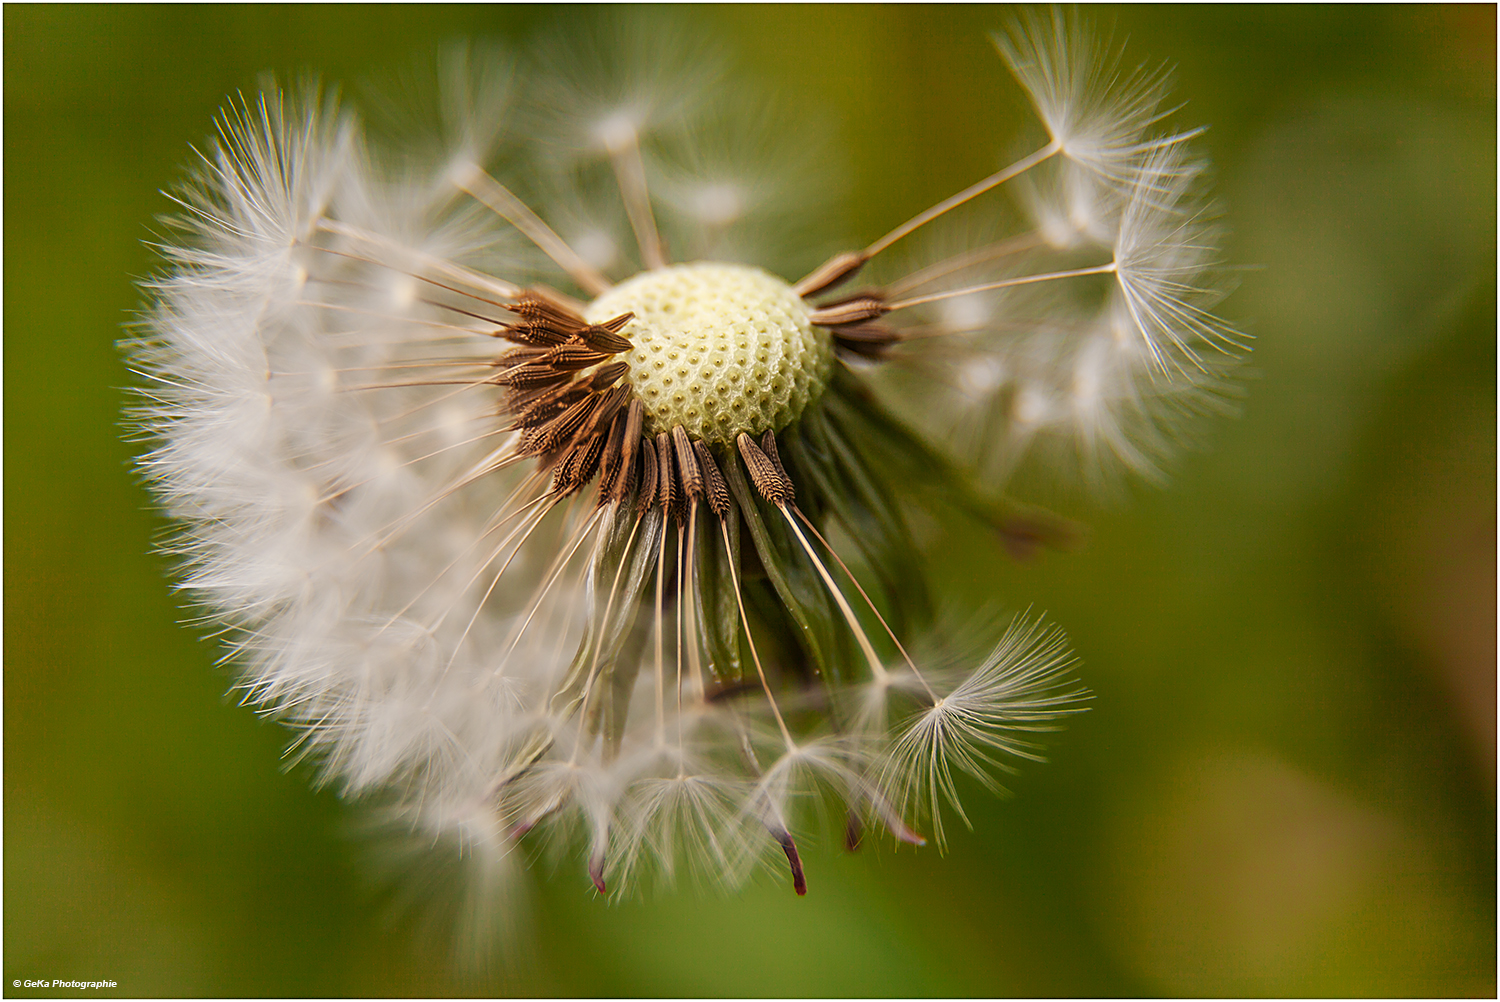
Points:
[542,496]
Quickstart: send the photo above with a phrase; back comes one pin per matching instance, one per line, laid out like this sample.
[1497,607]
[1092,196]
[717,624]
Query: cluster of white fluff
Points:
[1106,373]
[297,464]
[348,507]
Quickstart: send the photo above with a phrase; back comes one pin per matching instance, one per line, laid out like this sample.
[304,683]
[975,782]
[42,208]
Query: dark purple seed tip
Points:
[799,879]
[596,874]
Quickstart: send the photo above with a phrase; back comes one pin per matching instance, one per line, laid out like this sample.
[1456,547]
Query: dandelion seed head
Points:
[719,349]
[541,510]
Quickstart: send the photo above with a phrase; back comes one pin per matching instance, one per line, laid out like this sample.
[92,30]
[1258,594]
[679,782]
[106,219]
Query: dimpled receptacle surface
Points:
[718,348]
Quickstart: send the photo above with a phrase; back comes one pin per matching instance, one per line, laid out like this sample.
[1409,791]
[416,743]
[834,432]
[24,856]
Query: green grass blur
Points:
[1286,785]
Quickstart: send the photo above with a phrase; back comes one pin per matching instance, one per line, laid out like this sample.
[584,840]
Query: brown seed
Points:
[768,445]
[517,356]
[579,465]
[867,331]
[764,475]
[560,429]
[538,308]
[788,846]
[601,338]
[635,416]
[850,311]
[617,324]
[520,399]
[830,273]
[532,333]
[610,402]
[647,493]
[868,339]
[562,303]
[666,489]
[573,356]
[687,463]
[611,464]
[531,374]
[606,375]
[548,405]
[714,489]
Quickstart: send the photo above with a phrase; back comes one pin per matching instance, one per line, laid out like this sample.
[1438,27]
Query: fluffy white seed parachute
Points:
[412,486]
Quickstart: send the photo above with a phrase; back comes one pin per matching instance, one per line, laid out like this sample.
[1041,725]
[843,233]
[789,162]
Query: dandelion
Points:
[534,529]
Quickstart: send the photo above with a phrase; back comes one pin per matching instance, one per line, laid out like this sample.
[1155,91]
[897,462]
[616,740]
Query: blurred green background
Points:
[1286,785]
